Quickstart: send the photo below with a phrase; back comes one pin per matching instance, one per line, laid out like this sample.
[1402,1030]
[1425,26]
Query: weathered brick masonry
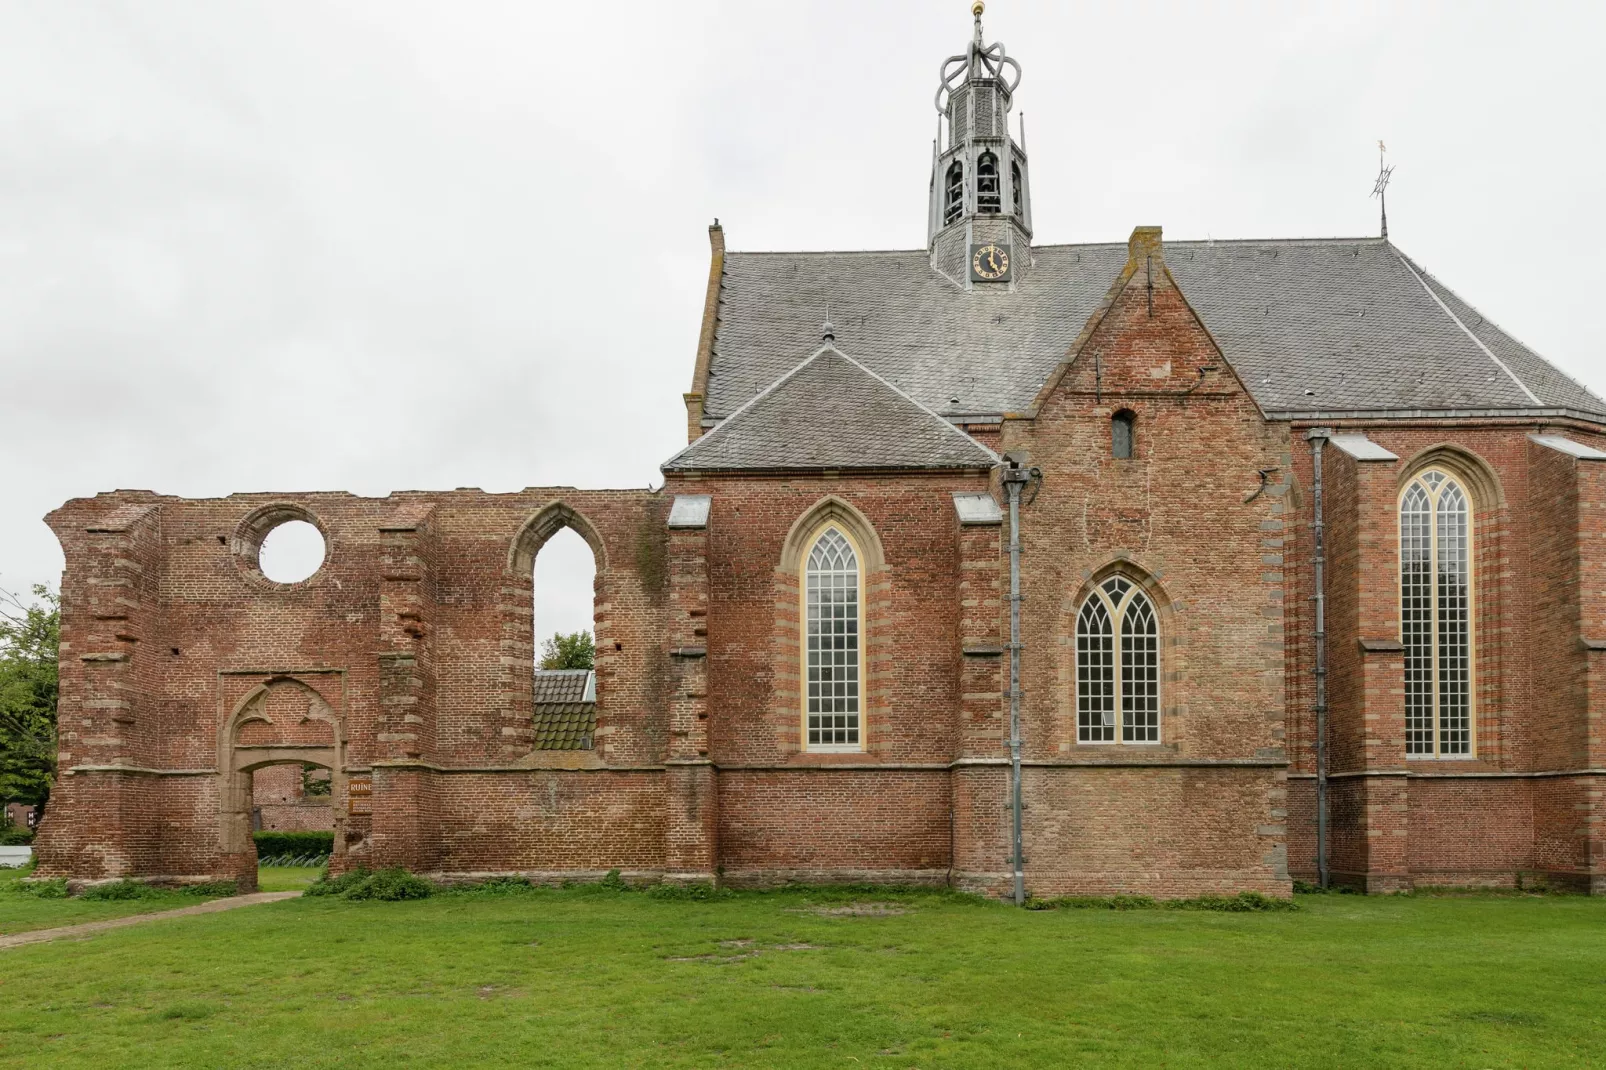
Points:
[1158,402]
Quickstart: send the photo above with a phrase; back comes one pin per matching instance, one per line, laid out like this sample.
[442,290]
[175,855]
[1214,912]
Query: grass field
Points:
[589,977]
[21,913]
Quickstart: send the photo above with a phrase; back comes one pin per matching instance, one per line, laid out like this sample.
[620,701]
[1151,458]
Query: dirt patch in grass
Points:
[740,950]
[860,910]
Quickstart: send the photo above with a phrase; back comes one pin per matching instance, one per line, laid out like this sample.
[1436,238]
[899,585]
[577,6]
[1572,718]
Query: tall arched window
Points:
[832,648]
[1123,434]
[1015,192]
[988,200]
[1117,665]
[954,197]
[1436,615]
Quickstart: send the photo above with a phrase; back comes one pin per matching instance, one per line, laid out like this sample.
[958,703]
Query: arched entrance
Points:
[279,722]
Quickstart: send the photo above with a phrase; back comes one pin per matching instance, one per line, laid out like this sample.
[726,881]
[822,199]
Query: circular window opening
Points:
[291,552]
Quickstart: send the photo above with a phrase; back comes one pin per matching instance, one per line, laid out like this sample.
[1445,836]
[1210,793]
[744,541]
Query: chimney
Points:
[1144,243]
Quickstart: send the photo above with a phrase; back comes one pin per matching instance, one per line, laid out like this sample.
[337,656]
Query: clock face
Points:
[990,262]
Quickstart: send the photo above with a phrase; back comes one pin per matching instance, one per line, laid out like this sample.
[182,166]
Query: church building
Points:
[1145,567]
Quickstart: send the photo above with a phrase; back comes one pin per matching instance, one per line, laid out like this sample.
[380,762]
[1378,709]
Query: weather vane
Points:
[1380,188]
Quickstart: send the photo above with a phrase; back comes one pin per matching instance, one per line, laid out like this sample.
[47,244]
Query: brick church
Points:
[1140,567]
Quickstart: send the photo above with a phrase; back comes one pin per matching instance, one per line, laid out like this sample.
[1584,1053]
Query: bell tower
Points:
[979,227]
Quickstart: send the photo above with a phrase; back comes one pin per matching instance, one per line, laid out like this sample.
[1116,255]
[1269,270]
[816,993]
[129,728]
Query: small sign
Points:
[360,796]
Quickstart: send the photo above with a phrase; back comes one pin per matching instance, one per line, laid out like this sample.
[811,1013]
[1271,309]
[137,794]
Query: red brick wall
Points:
[1488,819]
[1188,516]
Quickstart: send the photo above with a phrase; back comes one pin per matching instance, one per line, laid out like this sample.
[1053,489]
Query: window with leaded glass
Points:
[831,650]
[1436,615]
[1117,665]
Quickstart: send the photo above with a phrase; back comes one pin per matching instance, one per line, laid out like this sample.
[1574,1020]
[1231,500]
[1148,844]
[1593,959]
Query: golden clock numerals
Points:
[990,262]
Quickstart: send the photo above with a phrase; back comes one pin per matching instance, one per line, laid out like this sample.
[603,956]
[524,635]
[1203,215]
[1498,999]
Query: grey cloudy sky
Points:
[372,246]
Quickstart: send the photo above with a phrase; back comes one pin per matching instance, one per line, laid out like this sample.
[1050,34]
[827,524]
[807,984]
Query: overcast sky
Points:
[372,246]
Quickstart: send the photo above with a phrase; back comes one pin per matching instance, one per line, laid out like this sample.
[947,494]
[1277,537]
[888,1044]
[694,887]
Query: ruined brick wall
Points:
[414,635]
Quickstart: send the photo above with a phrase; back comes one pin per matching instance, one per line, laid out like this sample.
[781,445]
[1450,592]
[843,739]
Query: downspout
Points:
[1317,436]
[1015,477]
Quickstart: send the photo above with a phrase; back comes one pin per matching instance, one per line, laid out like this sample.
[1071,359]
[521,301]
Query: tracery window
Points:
[954,204]
[832,651]
[988,200]
[1117,665]
[1436,615]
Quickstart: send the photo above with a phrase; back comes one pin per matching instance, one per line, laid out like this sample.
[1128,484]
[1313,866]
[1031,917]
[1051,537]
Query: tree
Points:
[575,651]
[30,641]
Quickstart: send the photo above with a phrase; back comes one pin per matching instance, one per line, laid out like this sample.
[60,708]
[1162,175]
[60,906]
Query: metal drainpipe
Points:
[1317,436]
[1015,477]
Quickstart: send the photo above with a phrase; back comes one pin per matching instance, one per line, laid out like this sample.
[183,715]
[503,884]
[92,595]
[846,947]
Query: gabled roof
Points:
[565,709]
[832,412]
[563,685]
[1312,327]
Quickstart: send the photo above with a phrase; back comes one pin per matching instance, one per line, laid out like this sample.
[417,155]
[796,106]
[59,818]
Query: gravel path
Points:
[70,932]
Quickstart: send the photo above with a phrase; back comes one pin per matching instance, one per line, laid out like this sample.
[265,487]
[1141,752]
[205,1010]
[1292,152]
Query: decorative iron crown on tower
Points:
[979,228]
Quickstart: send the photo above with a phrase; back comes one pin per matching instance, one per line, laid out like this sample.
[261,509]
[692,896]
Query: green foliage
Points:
[698,892]
[573,651]
[386,886]
[1242,903]
[123,889]
[294,844]
[12,836]
[43,889]
[30,639]
[315,780]
[614,882]
[211,889]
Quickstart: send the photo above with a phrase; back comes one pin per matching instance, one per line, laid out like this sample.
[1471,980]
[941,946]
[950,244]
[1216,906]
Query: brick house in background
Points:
[286,798]
[805,640]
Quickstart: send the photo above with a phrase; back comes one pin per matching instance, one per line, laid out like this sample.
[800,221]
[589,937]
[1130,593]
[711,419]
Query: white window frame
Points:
[1434,494]
[809,546]
[1116,609]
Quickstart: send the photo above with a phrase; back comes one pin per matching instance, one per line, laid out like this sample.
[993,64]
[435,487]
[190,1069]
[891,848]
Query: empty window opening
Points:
[832,654]
[1124,435]
[564,695]
[954,198]
[291,552]
[1014,187]
[1436,616]
[1117,666]
[987,193]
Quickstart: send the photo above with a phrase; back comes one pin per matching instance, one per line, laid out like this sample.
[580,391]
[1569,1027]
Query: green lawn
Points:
[20,913]
[589,977]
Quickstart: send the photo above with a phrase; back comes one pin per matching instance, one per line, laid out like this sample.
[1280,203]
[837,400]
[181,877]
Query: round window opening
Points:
[291,552]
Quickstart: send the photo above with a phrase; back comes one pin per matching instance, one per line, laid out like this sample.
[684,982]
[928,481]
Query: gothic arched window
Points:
[1436,615]
[954,196]
[1015,191]
[1124,434]
[833,637]
[988,201]
[1117,665]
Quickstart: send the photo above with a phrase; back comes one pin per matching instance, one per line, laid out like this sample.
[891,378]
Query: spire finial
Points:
[1380,188]
[827,331]
[976,9]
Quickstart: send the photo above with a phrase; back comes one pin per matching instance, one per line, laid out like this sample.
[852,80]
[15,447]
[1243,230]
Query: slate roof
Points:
[565,709]
[830,411]
[1329,326]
